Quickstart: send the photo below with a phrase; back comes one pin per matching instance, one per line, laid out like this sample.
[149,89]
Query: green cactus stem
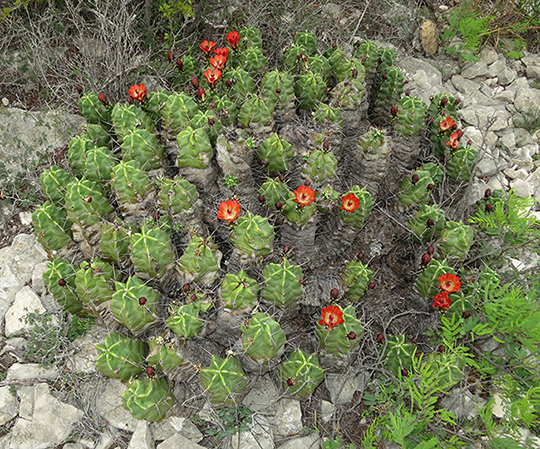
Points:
[148,398]
[142,146]
[93,110]
[455,241]
[239,291]
[177,113]
[238,85]
[99,165]
[356,278]
[282,286]
[53,184]
[301,374]
[388,94]
[86,204]
[320,167]
[114,242]
[310,89]
[274,191]
[306,40]
[253,236]
[253,61]
[151,251]
[428,223]
[195,149]
[277,88]
[51,226]
[224,380]
[99,135]
[250,37]
[60,278]
[120,357]
[200,262]
[162,354]
[185,321]
[257,115]
[462,163]
[399,355]
[416,192]
[128,117]
[428,280]
[78,146]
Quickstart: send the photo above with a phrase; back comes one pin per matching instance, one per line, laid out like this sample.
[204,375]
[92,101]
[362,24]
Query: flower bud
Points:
[469,142]
[186,287]
[414,341]
[194,82]
[302,281]
[351,335]
[430,186]
[201,94]
[89,199]
[278,205]
[334,44]
[404,372]
[415,178]
[360,256]
[355,72]
[179,64]
[334,293]
[262,199]
[286,249]
[380,338]
[228,83]
[407,92]
[429,223]
[430,250]
[489,208]
[129,100]
[326,144]
[278,91]
[487,193]
[371,285]
[444,102]
[406,82]
[290,381]
[282,178]
[394,110]
[441,348]
[142,301]
[62,283]
[357,43]
[80,89]
[213,105]
[380,61]
[103,99]
[298,57]
[426,259]
[211,121]
[385,76]
[457,101]
[193,298]
[170,56]
[460,133]
[430,122]
[150,371]
[466,314]
[307,182]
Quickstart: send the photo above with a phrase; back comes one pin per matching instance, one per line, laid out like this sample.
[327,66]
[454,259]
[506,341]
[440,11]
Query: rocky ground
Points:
[45,407]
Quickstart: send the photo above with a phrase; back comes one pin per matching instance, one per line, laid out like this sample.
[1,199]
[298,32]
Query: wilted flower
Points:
[233,38]
[137,92]
[229,211]
[218,62]
[450,283]
[331,317]
[222,51]
[446,124]
[350,202]
[207,47]
[441,301]
[304,195]
[212,76]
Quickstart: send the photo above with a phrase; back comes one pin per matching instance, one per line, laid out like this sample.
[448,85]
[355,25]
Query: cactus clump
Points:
[399,355]
[282,284]
[148,398]
[224,380]
[301,374]
[120,357]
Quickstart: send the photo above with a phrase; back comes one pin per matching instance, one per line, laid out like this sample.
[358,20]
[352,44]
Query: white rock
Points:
[498,408]
[479,138]
[527,100]
[26,302]
[9,405]
[31,371]
[505,96]
[142,437]
[288,417]
[49,423]
[517,174]
[177,441]
[485,117]
[309,442]
[474,70]
[463,85]
[463,404]
[327,411]
[174,424]
[37,277]
[488,55]
[263,394]
[109,406]
[84,350]
[26,218]
[259,436]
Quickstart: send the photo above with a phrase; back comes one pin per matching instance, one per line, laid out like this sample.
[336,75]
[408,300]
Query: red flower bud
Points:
[278,91]
[334,293]
[193,298]
[155,216]
[444,102]
[213,105]
[380,338]
[357,43]
[469,142]
[201,94]
[415,178]
[302,281]
[426,259]
[371,285]
[430,122]
[394,110]
[170,56]
[460,133]
[282,178]
[414,341]
[351,335]
[179,64]
[278,205]
[62,283]
[355,72]
[228,83]
[489,208]
[326,144]
[150,371]
[262,199]
[334,44]
[129,100]
[298,57]
[466,314]
[194,82]
[142,301]
[307,182]
[429,223]
[457,101]
[441,348]
[89,199]
[286,249]
[385,76]
[290,381]
[186,287]
[406,82]
[404,372]
[80,89]
[171,294]
[430,250]
[407,92]
[211,121]
[430,186]
[380,60]
[487,193]
[103,99]
[360,256]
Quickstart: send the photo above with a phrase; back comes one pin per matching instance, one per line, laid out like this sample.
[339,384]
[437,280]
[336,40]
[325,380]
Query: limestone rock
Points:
[263,394]
[309,442]
[178,441]
[26,302]
[9,405]
[288,417]
[31,371]
[109,406]
[463,404]
[142,437]
[174,424]
[527,100]
[429,37]
[259,435]
[474,70]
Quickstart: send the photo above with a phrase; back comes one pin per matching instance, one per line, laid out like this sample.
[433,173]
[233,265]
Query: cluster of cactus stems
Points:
[202,211]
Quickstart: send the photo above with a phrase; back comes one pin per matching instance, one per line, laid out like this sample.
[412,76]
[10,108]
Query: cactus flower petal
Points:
[331,317]
[450,283]
[229,211]
[441,301]
[304,195]
[137,92]
[350,203]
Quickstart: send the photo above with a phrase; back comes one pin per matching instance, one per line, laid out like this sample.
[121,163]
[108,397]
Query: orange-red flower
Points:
[304,195]
[218,62]
[222,51]
[454,140]
[350,202]
[446,124]
[450,283]
[212,76]
[137,92]
[233,38]
[331,317]
[229,211]
[441,301]
[207,47]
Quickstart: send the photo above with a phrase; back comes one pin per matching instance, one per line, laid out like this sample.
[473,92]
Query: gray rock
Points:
[464,86]
[343,386]
[505,74]
[17,264]
[522,158]
[26,218]
[479,139]
[31,371]
[505,96]
[26,302]
[109,406]
[327,411]
[487,166]
[142,437]
[463,404]
[309,442]
[43,420]
[533,73]
[425,80]
[263,394]
[175,424]
[37,278]
[9,405]
[519,83]
[475,70]
[260,435]
[485,117]
[528,100]
[84,350]
[178,441]
[332,9]
[488,55]
[288,417]
[531,59]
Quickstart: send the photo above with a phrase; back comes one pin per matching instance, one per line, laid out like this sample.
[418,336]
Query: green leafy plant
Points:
[47,338]
[233,420]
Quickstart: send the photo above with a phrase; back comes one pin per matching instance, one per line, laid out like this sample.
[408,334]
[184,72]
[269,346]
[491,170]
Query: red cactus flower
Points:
[212,76]
[229,211]
[137,92]
[441,301]
[450,283]
[454,140]
[350,203]
[304,196]
[331,317]
[233,38]
[218,62]
[446,124]
[222,51]
[207,47]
